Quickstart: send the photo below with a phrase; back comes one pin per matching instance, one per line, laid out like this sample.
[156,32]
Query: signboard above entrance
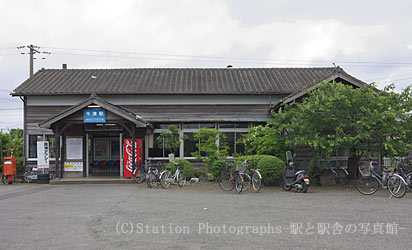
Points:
[94,116]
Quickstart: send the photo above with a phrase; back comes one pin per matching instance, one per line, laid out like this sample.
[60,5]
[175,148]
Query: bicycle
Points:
[256,179]
[406,175]
[138,174]
[166,177]
[370,181]
[341,174]
[153,175]
[228,182]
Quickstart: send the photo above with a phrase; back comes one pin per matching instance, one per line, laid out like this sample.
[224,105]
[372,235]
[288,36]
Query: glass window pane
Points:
[227,125]
[33,145]
[207,125]
[157,150]
[157,125]
[242,125]
[192,125]
[190,145]
[52,143]
[101,149]
[167,125]
[230,142]
[240,147]
[114,150]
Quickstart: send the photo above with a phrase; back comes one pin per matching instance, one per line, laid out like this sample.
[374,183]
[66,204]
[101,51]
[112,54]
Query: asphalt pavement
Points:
[200,216]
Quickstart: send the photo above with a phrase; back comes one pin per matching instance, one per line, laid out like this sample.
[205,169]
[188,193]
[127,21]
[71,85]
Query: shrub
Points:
[272,169]
[253,160]
[188,167]
[216,168]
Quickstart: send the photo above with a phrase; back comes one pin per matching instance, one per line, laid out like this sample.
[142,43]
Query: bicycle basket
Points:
[365,170]
[241,168]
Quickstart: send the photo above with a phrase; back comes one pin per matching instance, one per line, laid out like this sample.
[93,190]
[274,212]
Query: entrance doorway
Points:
[105,156]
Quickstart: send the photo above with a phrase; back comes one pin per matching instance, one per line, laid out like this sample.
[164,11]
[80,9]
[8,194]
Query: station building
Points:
[88,115]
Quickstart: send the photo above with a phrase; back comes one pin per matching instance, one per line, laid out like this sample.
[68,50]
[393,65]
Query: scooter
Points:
[292,179]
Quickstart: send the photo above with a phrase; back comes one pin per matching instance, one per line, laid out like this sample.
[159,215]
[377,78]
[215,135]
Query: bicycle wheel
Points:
[181,179]
[247,182]
[343,177]
[164,179]
[239,183]
[138,177]
[409,181]
[225,183]
[5,179]
[151,180]
[256,181]
[367,185]
[396,187]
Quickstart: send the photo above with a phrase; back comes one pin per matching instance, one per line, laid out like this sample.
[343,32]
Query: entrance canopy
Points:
[101,103]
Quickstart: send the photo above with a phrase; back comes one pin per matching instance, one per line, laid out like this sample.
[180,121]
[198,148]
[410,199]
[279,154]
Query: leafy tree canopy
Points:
[363,120]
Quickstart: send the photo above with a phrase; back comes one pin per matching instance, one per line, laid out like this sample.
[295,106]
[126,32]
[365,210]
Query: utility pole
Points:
[32,51]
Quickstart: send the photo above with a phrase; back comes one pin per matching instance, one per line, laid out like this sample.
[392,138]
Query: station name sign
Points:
[94,116]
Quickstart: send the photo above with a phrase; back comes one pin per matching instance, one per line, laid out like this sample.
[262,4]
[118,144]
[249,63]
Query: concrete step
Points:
[85,180]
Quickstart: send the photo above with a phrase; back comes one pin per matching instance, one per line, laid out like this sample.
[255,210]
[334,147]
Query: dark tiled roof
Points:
[194,81]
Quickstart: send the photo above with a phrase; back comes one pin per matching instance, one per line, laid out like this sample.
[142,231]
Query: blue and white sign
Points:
[94,116]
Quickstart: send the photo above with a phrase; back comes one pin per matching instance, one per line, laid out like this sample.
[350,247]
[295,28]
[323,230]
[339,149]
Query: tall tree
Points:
[363,120]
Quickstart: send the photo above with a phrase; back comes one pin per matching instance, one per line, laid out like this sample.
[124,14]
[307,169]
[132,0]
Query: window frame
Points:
[28,146]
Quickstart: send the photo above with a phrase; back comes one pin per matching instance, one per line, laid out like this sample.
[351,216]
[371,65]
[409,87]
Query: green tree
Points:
[171,139]
[363,120]
[264,140]
[209,149]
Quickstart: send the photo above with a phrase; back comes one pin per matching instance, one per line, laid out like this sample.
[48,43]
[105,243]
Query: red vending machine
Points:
[128,155]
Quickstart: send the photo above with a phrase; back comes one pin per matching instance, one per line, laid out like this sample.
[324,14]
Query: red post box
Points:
[9,170]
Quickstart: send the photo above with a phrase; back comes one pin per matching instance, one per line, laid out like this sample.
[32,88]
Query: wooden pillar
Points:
[57,150]
[133,147]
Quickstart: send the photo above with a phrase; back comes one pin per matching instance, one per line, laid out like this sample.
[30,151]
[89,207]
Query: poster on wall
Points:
[128,155]
[74,148]
[43,154]
[72,166]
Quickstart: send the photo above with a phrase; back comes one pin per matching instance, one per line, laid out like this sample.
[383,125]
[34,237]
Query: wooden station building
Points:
[86,114]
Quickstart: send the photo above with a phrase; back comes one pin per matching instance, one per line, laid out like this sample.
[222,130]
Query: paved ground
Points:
[199,217]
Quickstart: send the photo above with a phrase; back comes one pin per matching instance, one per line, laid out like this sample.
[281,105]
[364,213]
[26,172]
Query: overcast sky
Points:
[371,40]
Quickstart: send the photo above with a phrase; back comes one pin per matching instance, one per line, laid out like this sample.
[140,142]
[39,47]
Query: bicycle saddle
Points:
[170,168]
[386,170]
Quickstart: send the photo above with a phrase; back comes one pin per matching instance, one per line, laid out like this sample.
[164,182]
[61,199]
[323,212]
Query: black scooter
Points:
[292,179]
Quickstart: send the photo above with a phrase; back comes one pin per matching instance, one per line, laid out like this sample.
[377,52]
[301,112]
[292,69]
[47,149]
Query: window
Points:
[190,145]
[32,147]
[230,141]
[159,150]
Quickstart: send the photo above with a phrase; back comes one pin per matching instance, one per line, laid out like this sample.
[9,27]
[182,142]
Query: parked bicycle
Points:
[228,182]
[30,175]
[139,173]
[405,171]
[341,174]
[153,174]
[179,177]
[370,181]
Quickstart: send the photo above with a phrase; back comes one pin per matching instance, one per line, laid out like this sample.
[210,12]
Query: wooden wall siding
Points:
[38,114]
[218,112]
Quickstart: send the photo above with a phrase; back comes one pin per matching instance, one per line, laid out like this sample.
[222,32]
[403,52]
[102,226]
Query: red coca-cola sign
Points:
[128,155]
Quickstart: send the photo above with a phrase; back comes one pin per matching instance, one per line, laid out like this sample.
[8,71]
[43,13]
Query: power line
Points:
[222,57]
[32,51]
[396,80]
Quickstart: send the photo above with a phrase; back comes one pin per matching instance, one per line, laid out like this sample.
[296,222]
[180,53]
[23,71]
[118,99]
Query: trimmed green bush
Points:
[216,168]
[272,170]
[253,160]
[189,169]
